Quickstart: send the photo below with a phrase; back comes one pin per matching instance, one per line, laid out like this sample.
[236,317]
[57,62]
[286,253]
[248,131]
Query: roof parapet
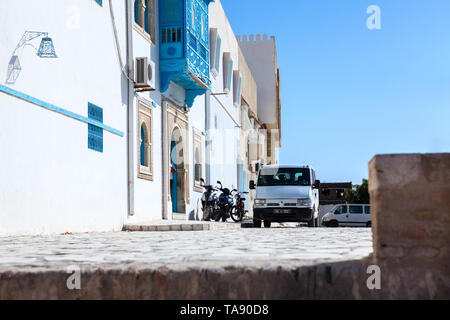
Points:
[255,38]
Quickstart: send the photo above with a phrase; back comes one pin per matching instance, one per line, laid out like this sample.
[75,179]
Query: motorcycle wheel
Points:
[207,215]
[218,216]
[236,214]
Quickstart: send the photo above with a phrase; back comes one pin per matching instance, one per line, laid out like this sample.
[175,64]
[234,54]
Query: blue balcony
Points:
[184,46]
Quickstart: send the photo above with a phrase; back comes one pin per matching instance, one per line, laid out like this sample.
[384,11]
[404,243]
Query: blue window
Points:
[146,22]
[227,71]
[144,146]
[237,88]
[95,134]
[230,73]
[217,57]
[136,11]
[100,2]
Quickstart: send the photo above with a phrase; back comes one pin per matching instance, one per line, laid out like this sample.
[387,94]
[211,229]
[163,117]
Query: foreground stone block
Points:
[222,281]
[410,198]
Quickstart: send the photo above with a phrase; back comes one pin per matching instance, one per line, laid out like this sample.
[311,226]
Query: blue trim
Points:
[99,2]
[64,112]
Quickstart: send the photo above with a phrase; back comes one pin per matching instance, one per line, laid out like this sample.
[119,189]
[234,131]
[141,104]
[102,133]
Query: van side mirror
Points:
[202,181]
[252,185]
[316,184]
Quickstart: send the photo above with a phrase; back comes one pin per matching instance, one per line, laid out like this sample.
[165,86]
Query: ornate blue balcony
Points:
[184,46]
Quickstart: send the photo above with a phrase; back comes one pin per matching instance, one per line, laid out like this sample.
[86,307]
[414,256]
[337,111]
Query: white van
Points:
[286,194]
[348,215]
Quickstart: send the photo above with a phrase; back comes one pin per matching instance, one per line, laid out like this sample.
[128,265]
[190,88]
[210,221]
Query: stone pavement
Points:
[169,248]
[239,264]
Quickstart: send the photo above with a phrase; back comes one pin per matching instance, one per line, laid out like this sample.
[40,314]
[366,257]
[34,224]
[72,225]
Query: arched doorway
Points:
[177,172]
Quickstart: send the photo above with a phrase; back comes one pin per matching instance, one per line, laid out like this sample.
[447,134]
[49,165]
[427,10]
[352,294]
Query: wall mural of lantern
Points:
[46,50]
[14,69]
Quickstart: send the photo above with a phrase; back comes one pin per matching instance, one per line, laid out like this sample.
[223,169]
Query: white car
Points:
[348,215]
[286,194]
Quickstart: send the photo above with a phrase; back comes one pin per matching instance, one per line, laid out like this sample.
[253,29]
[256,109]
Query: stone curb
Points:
[180,227]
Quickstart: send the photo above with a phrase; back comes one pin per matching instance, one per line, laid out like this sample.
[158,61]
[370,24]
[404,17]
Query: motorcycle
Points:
[208,201]
[237,211]
[224,202]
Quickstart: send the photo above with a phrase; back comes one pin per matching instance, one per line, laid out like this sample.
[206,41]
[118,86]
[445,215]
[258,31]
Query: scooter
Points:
[208,200]
[237,211]
[224,202]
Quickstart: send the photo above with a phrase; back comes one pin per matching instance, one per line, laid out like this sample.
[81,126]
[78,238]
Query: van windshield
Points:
[284,177]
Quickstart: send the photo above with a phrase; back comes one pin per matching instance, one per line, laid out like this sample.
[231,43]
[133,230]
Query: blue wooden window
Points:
[100,2]
[237,88]
[230,74]
[136,11]
[146,21]
[227,71]
[95,134]
[217,58]
[197,166]
[144,146]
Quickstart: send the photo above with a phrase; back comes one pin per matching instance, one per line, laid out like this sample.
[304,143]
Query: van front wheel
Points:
[256,223]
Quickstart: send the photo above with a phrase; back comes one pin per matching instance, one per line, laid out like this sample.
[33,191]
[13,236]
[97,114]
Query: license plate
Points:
[282,211]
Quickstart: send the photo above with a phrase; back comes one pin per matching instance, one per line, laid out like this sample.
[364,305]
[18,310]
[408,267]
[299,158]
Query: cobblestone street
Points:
[295,244]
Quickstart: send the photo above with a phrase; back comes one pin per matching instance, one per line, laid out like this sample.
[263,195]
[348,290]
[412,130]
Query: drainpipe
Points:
[208,136]
[165,160]
[130,111]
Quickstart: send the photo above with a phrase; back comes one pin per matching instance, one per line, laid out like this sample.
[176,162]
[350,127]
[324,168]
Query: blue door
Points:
[173,177]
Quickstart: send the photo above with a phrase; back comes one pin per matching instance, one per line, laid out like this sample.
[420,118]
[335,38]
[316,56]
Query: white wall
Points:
[148,194]
[197,121]
[225,138]
[260,53]
[50,182]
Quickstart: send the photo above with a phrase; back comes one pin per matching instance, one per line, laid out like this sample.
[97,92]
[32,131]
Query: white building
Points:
[110,115]
[56,174]
[260,53]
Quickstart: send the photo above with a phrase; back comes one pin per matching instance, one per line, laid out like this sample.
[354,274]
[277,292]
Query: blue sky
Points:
[349,93]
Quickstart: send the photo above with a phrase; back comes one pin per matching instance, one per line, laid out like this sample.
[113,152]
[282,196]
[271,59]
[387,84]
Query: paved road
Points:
[303,244]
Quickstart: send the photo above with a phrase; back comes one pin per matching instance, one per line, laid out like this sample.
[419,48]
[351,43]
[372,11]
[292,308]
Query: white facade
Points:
[51,179]
[224,114]
[261,55]
[146,195]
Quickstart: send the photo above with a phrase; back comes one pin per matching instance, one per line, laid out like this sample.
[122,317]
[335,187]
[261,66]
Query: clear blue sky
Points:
[349,93]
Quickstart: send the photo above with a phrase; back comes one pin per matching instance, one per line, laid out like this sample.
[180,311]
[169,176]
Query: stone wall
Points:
[410,198]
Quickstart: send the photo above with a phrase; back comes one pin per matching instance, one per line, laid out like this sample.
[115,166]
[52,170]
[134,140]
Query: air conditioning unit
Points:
[145,75]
